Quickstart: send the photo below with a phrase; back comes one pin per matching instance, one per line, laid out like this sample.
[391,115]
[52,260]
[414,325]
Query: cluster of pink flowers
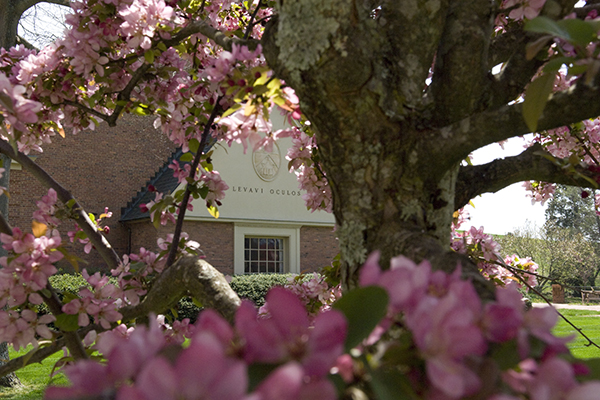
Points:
[134,271]
[521,9]
[318,192]
[46,208]
[24,274]
[216,186]
[483,249]
[16,112]
[525,264]
[540,192]
[476,244]
[442,311]
[223,66]
[315,293]
[142,365]
[100,303]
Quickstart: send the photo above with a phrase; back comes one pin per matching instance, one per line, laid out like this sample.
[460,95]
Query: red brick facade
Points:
[318,246]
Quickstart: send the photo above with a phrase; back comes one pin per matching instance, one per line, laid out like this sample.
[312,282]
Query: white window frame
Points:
[290,234]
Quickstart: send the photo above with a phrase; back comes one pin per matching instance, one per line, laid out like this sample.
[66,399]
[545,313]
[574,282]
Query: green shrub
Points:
[67,283]
[255,287]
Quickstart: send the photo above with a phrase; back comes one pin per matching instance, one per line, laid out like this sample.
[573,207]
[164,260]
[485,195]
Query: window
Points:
[262,248]
[263,255]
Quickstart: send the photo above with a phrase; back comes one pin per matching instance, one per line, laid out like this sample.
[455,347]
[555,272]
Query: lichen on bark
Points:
[305,30]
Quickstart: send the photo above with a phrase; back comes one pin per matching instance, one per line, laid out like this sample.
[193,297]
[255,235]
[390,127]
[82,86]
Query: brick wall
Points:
[215,238]
[102,168]
[318,246]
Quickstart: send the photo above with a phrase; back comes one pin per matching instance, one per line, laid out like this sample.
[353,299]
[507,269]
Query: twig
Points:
[186,195]
[251,22]
[585,147]
[86,109]
[501,263]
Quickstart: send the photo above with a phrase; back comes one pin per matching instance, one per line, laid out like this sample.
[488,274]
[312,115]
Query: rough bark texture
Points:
[391,146]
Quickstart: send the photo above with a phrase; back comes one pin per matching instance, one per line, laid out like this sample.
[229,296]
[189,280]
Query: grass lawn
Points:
[589,322]
[34,377]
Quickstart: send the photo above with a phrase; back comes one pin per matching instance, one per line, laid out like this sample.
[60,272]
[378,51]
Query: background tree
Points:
[573,208]
[573,258]
[562,254]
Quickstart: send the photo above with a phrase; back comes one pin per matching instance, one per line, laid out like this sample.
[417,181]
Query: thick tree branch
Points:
[454,143]
[460,73]
[189,275]
[405,55]
[104,248]
[502,47]
[532,164]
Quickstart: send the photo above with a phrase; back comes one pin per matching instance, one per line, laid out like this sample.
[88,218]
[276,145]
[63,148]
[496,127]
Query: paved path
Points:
[570,306]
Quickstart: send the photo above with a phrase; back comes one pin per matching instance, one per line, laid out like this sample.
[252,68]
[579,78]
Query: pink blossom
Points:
[285,334]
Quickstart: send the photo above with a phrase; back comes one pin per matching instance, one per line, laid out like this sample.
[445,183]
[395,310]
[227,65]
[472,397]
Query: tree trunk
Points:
[389,193]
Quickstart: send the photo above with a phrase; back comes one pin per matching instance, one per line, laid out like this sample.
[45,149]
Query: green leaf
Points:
[197,303]
[575,31]
[546,25]
[67,322]
[187,157]
[6,102]
[533,48]
[363,308]
[194,144]
[390,384]
[260,89]
[203,191]
[536,97]
[580,32]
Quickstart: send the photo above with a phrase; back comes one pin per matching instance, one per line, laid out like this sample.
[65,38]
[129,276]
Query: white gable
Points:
[260,188]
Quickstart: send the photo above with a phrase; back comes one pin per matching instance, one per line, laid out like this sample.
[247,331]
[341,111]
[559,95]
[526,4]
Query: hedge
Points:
[252,287]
